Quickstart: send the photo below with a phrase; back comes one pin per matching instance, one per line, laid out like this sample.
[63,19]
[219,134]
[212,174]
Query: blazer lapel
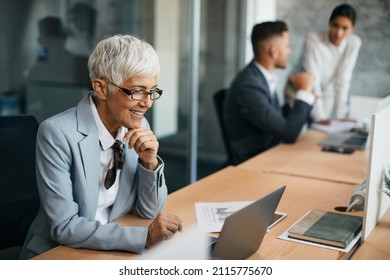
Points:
[90,154]
[275,101]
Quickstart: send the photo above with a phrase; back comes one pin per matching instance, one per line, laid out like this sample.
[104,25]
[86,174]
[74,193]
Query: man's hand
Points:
[348,120]
[145,144]
[325,122]
[162,228]
[302,81]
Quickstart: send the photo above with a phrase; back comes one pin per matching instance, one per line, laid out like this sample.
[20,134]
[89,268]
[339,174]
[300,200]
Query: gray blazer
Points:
[68,164]
[254,121]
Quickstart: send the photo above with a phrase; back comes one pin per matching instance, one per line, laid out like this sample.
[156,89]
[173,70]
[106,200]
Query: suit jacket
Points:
[254,122]
[68,166]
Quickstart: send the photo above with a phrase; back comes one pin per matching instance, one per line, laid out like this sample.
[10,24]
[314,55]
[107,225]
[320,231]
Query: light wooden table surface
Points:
[305,159]
[240,184]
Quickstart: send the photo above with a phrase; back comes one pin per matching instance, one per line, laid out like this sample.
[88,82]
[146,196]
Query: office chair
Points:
[19,200]
[219,98]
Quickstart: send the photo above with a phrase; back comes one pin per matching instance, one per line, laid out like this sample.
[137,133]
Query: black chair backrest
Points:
[219,98]
[19,200]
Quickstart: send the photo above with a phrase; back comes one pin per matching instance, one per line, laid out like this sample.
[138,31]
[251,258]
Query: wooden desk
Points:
[377,245]
[235,184]
[305,159]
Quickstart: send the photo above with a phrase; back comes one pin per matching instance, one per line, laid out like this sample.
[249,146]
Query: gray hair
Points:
[122,57]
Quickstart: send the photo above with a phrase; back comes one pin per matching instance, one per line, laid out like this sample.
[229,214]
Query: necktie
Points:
[119,154]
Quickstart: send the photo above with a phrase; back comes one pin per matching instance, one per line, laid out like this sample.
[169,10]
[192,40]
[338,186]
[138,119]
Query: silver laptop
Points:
[354,140]
[244,230]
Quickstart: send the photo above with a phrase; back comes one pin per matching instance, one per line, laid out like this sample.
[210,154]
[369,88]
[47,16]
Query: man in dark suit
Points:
[253,118]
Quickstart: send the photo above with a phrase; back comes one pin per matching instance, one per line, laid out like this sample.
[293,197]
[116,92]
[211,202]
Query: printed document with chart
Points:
[210,216]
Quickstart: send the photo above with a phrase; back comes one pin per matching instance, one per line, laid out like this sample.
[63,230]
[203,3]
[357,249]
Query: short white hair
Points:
[122,57]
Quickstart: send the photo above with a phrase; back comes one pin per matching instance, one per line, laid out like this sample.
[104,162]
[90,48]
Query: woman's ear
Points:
[100,88]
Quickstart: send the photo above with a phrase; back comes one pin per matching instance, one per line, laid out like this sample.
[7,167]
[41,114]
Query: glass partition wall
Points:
[218,62]
[219,44]
[167,25]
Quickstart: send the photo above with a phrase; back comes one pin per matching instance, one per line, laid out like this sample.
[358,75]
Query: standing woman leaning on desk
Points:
[75,151]
[331,57]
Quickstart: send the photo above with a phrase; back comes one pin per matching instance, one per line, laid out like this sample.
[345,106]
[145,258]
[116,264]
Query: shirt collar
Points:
[105,138]
[340,48]
[270,78]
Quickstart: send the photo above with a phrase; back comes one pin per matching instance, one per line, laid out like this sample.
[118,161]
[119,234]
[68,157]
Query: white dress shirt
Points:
[272,80]
[106,197]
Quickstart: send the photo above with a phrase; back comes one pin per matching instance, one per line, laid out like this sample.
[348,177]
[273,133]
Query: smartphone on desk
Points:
[339,150]
[278,216]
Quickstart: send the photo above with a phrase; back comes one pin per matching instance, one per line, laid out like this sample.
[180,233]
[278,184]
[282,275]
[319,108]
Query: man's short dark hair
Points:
[265,30]
[344,10]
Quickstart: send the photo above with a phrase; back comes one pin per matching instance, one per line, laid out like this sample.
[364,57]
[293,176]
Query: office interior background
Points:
[202,45]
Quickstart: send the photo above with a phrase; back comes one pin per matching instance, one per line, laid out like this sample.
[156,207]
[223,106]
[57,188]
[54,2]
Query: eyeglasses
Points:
[139,94]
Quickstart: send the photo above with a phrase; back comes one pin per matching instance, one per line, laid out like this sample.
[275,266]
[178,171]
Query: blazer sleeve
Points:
[255,107]
[152,189]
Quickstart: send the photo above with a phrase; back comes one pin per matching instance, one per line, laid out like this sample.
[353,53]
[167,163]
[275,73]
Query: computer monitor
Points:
[377,202]
[362,107]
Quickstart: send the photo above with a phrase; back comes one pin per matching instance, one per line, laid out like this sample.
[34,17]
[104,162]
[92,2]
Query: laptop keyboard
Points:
[355,141]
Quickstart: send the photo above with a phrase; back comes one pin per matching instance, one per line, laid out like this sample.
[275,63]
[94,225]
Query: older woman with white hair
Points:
[98,161]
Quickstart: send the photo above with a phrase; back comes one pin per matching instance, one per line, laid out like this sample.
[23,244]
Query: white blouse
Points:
[332,68]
